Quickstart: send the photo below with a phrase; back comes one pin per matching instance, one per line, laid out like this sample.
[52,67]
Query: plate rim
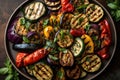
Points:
[28,77]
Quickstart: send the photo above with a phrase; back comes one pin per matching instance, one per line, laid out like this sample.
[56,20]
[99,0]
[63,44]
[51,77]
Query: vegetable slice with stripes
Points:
[78,47]
[43,72]
[34,11]
[94,12]
[78,21]
[52,3]
[91,63]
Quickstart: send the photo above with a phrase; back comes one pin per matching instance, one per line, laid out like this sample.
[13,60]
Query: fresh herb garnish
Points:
[45,22]
[26,40]
[114,6]
[87,28]
[93,7]
[82,8]
[25,23]
[64,50]
[53,57]
[80,20]
[60,74]
[62,34]
[9,71]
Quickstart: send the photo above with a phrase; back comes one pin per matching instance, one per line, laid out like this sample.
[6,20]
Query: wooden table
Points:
[112,72]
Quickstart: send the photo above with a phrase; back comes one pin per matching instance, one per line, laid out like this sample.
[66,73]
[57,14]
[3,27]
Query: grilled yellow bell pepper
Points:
[47,31]
[89,45]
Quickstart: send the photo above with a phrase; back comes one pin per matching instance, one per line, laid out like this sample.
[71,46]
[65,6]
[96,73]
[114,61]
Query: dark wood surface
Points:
[112,72]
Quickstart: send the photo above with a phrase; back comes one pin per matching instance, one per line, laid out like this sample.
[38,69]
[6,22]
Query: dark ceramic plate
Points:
[12,54]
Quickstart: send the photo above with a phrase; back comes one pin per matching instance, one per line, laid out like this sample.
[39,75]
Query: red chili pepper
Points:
[66,6]
[24,59]
[77,32]
[103,53]
[35,56]
[19,59]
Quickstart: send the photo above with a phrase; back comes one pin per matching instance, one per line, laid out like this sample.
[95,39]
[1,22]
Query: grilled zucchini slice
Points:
[94,12]
[78,47]
[43,72]
[54,8]
[78,21]
[91,63]
[34,11]
[89,45]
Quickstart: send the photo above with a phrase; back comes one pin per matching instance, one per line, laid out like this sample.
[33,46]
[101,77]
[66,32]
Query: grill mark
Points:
[96,11]
[96,18]
[36,73]
[36,10]
[47,69]
[77,71]
[75,19]
[41,10]
[94,66]
[32,8]
[84,22]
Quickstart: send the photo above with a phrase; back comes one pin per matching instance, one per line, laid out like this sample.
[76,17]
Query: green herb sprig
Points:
[9,71]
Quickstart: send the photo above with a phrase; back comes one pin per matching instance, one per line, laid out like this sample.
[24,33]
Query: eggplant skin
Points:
[26,47]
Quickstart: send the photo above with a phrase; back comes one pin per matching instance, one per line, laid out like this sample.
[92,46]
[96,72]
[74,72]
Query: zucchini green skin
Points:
[78,45]
[35,20]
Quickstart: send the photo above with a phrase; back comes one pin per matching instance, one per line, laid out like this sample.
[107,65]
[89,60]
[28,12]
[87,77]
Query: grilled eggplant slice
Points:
[66,59]
[26,47]
[74,73]
[94,12]
[78,47]
[55,8]
[43,72]
[34,11]
[52,3]
[89,45]
[78,21]
[64,38]
[91,63]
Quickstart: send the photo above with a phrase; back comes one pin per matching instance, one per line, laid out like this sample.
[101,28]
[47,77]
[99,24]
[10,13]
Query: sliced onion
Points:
[31,34]
[11,35]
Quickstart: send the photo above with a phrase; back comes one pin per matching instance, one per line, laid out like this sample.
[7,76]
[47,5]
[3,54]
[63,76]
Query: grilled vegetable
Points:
[55,8]
[94,12]
[105,33]
[79,21]
[35,56]
[78,47]
[103,53]
[19,59]
[48,30]
[43,72]
[52,3]
[83,74]
[26,47]
[64,38]
[34,11]
[60,74]
[91,63]
[11,35]
[65,20]
[66,59]
[74,73]
[77,32]
[89,45]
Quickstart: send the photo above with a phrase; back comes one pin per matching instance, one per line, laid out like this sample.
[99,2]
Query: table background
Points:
[112,72]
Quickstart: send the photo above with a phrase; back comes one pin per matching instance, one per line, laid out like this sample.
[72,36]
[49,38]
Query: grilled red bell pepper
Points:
[67,6]
[77,32]
[24,59]
[103,53]
[35,56]
[19,59]
[105,33]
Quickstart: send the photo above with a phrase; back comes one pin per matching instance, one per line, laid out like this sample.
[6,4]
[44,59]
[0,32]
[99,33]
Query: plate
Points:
[12,54]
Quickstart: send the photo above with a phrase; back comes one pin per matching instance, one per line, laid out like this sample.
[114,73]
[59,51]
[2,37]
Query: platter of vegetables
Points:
[60,39]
